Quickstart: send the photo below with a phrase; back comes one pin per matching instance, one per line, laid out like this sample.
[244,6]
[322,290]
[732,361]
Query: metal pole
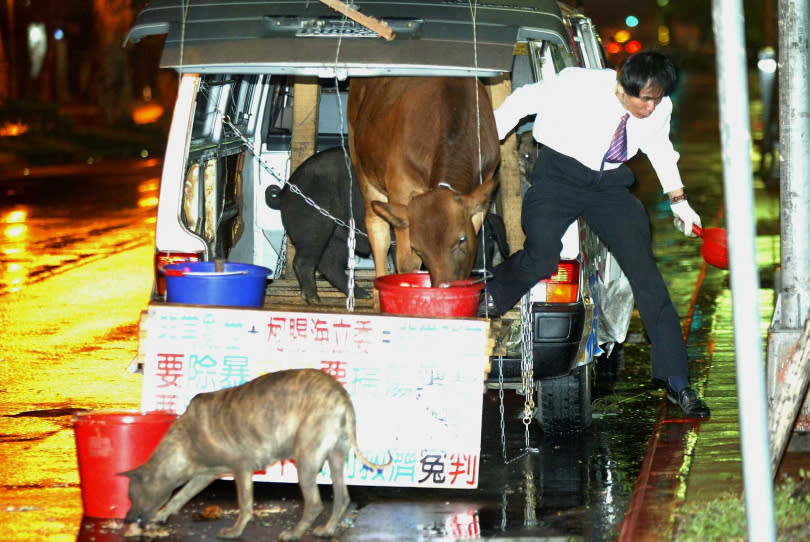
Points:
[794,94]
[739,196]
[793,290]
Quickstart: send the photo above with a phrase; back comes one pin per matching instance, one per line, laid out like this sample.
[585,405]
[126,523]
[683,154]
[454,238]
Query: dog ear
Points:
[132,474]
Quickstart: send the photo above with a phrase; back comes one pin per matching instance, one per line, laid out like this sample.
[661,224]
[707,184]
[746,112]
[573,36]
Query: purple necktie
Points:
[617,152]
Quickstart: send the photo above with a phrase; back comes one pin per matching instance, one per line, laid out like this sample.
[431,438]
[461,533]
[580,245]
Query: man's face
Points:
[644,104]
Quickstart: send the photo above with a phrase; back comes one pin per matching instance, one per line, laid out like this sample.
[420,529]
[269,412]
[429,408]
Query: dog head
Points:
[146,495]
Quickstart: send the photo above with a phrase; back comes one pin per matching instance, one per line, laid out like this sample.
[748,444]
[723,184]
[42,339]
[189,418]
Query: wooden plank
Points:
[509,199]
[306,92]
[375,25]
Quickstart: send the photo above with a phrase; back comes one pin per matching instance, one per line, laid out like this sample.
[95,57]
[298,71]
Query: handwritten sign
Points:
[416,383]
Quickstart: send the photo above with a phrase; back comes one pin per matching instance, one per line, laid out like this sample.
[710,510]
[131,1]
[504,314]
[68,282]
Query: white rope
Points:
[351,241]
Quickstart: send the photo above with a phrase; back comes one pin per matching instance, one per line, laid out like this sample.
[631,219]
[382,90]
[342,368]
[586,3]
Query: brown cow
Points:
[415,147]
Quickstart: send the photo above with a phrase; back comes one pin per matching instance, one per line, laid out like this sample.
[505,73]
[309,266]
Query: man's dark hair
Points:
[648,67]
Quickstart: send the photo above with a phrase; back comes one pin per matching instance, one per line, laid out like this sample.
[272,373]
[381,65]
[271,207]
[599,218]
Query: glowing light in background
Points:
[632,47]
[663,35]
[16,216]
[147,113]
[614,48]
[622,36]
[15,237]
[631,21]
[149,190]
[767,65]
[663,3]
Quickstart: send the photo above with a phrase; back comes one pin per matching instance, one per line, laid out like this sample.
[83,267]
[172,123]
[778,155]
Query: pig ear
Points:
[394,213]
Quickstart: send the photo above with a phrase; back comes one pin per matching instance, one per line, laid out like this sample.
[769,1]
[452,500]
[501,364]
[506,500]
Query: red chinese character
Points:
[341,335]
[320,330]
[169,369]
[362,335]
[276,327]
[336,369]
[166,402]
[298,328]
[463,465]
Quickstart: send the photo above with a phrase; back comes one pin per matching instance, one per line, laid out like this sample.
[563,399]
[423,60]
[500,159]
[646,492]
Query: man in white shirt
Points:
[580,171]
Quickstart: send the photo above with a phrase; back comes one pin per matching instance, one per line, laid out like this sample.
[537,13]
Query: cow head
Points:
[440,228]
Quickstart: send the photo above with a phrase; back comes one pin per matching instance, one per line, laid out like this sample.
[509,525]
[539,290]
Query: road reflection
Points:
[74,275]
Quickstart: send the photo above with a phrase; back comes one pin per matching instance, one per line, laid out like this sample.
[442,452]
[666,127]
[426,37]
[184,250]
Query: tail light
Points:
[562,287]
[164,258]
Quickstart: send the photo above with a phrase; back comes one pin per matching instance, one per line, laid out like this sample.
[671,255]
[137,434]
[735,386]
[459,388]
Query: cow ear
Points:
[394,213]
[478,202]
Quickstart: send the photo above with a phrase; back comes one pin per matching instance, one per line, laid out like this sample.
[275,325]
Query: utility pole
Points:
[793,288]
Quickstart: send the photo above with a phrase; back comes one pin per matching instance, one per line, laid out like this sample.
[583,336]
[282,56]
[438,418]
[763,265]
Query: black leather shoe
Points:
[486,306]
[690,402]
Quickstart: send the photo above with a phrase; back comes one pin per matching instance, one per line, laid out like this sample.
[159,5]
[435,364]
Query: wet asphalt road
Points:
[76,272]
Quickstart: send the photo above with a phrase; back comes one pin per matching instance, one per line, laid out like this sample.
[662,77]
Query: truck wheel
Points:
[565,402]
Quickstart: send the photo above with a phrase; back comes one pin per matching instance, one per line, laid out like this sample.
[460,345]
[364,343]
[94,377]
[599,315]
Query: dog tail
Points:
[352,426]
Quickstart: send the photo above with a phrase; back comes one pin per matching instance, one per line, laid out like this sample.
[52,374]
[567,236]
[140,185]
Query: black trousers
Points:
[563,189]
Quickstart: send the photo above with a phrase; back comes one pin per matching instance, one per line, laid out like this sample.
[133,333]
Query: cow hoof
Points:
[362,293]
[311,298]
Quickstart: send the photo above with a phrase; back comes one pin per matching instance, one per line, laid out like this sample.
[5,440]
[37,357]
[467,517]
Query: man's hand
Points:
[685,217]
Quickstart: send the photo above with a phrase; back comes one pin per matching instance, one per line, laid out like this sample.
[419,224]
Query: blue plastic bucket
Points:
[198,283]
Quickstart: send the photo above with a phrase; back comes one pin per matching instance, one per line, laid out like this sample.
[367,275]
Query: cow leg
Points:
[333,266]
[379,237]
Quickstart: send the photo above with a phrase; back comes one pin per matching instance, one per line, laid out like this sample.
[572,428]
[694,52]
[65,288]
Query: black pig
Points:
[319,242]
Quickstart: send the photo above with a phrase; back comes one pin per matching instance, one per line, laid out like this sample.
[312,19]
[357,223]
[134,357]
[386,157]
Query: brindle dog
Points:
[300,414]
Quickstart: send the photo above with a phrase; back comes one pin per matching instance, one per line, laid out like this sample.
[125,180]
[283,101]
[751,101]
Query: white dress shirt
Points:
[578,112]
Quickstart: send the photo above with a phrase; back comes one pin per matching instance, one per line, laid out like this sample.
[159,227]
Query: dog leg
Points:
[194,486]
[337,463]
[307,476]
[244,486]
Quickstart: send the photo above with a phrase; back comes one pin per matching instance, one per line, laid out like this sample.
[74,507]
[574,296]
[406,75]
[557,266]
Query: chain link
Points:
[527,364]
[352,243]
[527,381]
[293,188]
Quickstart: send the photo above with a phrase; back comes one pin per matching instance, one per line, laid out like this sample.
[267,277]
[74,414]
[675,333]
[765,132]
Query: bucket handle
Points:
[181,273]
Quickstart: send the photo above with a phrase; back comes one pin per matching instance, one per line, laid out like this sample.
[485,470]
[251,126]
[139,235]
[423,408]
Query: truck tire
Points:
[565,402]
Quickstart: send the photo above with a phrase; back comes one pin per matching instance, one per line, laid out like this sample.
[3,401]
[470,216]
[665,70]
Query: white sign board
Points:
[417,383]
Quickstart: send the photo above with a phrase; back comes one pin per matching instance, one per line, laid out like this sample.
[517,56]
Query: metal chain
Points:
[500,409]
[527,365]
[351,242]
[293,188]
[281,264]
[527,376]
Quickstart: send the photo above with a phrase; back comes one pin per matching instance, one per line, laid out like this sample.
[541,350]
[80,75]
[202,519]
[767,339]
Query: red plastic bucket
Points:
[108,443]
[410,293]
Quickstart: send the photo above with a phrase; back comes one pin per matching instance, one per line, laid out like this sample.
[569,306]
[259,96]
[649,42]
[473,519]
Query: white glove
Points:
[685,217]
